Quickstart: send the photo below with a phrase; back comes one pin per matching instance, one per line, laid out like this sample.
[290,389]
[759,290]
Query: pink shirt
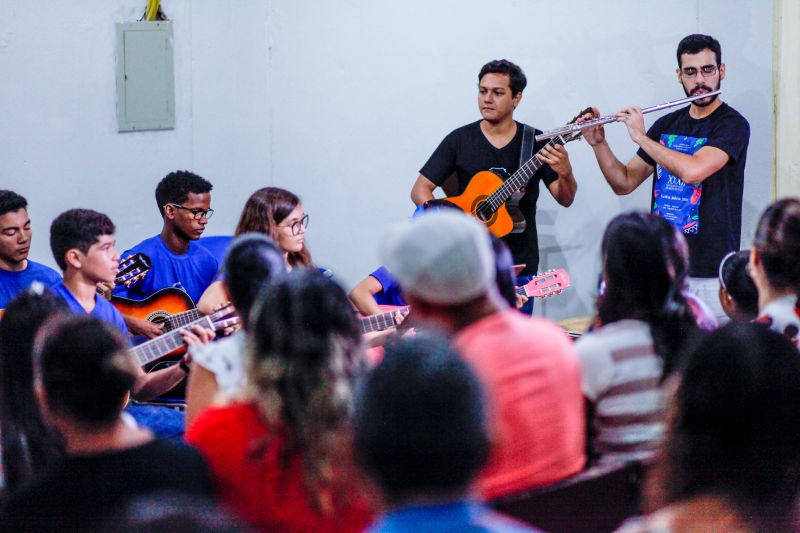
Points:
[533,385]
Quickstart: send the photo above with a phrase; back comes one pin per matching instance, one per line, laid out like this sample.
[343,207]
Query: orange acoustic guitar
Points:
[171,307]
[487,195]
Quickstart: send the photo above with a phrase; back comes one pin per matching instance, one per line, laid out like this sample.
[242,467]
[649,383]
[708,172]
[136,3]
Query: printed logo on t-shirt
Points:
[675,201]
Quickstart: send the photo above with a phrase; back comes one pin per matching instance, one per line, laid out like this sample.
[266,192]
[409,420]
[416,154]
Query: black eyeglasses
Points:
[302,223]
[196,213]
[707,70]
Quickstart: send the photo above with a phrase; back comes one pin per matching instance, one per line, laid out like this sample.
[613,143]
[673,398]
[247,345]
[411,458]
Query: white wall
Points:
[342,102]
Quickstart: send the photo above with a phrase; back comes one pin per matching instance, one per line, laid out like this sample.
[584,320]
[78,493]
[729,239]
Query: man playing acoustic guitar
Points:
[496,142]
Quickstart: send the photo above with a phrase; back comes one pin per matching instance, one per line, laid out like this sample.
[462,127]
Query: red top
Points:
[256,487]
[532,379]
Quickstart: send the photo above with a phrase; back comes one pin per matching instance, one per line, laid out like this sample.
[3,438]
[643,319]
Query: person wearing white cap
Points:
[445,266]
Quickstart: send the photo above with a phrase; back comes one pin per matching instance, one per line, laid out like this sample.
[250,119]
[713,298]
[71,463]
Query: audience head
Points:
[517,79]
[444,259]
[733,431]
[78,233]
[643,269]
[176,188]
[26,444]
[737,292]
[303,356]
[638,268]
[84,372]
[15,230]
[776,247]
[251,260]
[420,423]
[278,214]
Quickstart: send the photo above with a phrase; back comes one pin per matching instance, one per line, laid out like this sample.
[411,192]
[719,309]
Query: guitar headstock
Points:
[132,269]
[225,320]
[547,284]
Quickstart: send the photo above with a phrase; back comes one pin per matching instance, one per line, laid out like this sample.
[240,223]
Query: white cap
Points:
[444,257]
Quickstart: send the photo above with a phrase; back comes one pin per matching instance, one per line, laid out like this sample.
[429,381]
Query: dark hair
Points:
[640,266]
[77,228]
[420,421]
[304,355]
[264,210]
[28,446]
[251,260]
[505,278]
[738,283]
[11,201]
[696,43]
[517,79]
[175,187]
[734,432]
[85,368]
[777,240]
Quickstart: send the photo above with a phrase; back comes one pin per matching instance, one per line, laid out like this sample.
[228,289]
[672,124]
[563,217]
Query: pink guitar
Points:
[541,286]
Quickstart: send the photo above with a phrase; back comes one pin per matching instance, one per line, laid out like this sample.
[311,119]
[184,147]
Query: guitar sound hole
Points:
[483,212]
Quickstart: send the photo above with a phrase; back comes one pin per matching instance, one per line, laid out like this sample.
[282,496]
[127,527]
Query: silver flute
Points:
[572,128]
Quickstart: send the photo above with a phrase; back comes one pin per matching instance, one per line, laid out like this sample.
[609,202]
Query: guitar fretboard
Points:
[153,349]
[182,319]
[380,321]
[517,181]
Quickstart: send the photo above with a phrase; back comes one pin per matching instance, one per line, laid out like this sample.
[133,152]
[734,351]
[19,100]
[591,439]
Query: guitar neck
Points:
[521,177]
[182,319]
[157,348]
[381,321]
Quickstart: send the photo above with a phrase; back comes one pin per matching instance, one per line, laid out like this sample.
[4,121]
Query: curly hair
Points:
[175,187]
[304,354]
[77,228]
[264,210]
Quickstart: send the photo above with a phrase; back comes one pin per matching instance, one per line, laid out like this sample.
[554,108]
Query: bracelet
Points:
[184,366]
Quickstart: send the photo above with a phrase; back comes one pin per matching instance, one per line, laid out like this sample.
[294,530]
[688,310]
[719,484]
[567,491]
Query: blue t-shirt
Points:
[11,283]
[470,517]
[103,310]
[391,293]
[218,246]
[191,272]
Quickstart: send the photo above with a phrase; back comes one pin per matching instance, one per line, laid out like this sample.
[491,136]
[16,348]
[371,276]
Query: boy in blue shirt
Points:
[84,246]
[17,272]
[184,202]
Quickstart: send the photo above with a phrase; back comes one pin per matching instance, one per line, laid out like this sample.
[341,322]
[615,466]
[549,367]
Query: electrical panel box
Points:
[145,76]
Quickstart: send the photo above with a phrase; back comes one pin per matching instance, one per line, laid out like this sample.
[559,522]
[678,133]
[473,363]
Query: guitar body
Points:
[157,307]
[506,219]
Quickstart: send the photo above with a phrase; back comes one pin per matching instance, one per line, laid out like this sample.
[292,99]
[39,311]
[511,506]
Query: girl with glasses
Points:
[279,215]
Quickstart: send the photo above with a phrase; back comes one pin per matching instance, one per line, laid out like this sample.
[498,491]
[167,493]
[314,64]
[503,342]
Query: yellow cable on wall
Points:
[152,9]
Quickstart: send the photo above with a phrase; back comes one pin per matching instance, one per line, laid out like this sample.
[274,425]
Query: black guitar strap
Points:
[527,145]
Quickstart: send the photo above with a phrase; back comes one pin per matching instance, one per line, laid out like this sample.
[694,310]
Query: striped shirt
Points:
[621,377]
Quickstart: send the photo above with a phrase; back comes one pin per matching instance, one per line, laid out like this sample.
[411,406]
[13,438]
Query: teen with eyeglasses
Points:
[278,214]
[176,260]
[697,156]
